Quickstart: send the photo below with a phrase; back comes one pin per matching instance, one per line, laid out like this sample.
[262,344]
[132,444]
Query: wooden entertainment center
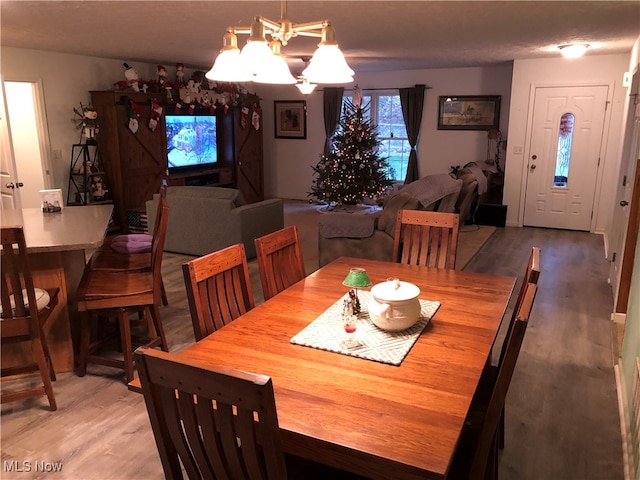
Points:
[136,163]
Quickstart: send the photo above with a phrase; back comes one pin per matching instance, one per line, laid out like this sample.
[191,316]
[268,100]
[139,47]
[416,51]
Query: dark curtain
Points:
[412,101]
[332,103]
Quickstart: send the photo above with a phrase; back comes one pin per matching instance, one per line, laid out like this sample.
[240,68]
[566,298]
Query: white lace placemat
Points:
[327,333]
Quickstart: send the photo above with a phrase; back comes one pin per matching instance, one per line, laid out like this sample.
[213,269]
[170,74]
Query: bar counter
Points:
[56,243]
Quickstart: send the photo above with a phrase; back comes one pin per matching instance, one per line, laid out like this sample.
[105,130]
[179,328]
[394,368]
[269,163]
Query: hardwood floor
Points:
[562,418]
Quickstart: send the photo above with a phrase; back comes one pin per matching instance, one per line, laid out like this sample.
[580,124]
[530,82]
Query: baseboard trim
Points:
[625,426]
[620,318]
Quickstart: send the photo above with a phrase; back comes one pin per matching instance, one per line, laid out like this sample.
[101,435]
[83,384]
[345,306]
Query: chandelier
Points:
[261,61]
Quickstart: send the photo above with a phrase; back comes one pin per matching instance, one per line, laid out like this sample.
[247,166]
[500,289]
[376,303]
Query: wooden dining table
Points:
[56,244]
[375,419]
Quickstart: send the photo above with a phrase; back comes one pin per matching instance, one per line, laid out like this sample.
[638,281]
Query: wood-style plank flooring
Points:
[561,421]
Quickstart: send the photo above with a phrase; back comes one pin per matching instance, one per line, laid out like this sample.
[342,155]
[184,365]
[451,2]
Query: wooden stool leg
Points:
[125,340]
[38,355]
[47,356]
[85,339]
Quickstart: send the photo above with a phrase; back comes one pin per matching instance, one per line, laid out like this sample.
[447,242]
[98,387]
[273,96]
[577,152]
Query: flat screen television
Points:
[191,142]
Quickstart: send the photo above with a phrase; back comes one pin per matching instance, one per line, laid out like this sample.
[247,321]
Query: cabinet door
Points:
[249,164]
[143,155]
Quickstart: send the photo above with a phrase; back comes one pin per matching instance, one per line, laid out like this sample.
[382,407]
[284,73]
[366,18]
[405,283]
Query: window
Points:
[563,155]
[385,112]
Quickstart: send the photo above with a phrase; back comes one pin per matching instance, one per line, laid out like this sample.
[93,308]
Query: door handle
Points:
[19,184]
[10,185]
[624,203]
[533,166]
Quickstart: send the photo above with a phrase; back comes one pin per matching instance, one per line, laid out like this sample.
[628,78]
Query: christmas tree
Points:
[353,170]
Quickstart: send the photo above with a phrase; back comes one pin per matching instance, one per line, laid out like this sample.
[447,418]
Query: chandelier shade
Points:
[228,66]
[305,87]
[263,62]
[275,70]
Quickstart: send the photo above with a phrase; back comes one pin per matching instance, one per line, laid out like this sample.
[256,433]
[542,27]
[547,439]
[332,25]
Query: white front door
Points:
[27,141]
[9,194]
[563,197]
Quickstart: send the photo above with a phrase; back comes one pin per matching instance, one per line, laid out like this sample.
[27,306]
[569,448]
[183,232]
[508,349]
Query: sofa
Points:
[371,235]
[205,219]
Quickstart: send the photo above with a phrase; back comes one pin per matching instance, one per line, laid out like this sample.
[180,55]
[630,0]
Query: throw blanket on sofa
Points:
[338,224]
[480,176]
[432,188]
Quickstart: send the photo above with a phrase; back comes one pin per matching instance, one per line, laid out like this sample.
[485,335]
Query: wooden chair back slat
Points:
[157,248]
[218,288]
[219,422]
[21,321]
[426,238]
[280,260]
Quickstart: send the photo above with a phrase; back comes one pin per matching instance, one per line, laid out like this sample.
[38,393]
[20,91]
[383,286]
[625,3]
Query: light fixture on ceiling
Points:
[305,87]
[574,50]
[261,61]
[303,84]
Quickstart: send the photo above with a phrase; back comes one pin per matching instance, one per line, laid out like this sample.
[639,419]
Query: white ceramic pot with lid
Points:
[395,305]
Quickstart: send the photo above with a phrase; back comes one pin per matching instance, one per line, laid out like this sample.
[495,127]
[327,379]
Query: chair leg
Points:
[157,322]
[85,339]
[501,431]
[165,301]
[125,340]
[47,356]
[45,373]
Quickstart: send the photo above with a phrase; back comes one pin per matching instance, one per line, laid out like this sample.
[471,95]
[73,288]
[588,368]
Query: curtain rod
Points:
[427,87]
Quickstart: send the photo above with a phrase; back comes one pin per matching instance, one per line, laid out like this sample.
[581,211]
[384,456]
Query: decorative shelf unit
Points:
[86,177]
[137,163]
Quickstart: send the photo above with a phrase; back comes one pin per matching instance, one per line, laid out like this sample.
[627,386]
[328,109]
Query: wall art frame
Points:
[469,112]
[290,119]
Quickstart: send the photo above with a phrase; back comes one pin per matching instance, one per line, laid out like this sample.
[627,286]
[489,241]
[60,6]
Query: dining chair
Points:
[531,275]
[426,238]
[216,422]
[280,260]
[218,289]
[103,293]
[131,251]
[26,310]
[477,455]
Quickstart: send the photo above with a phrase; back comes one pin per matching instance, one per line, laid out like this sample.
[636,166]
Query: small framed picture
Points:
[290,119]
[476,112]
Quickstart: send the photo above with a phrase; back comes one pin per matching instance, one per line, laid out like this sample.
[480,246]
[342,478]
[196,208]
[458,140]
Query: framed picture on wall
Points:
[475,112]
[290,119]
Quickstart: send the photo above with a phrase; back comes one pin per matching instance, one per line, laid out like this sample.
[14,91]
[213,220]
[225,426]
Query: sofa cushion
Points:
[401,201]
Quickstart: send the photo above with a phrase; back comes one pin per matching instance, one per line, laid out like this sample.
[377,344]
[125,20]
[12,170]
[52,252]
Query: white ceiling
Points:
[374,35]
